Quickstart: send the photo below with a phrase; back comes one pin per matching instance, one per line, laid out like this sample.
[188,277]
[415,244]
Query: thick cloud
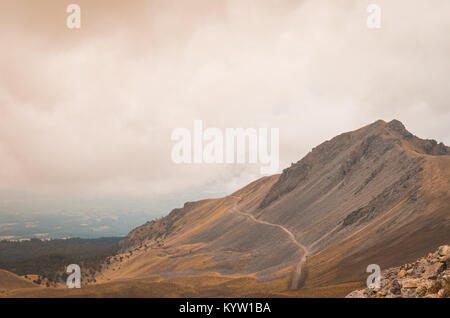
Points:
[91,111]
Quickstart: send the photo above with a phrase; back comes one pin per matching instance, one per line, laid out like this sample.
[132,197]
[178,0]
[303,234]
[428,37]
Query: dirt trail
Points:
[305,251]
[296,276]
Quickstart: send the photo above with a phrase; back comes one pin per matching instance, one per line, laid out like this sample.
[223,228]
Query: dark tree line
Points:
[50,258]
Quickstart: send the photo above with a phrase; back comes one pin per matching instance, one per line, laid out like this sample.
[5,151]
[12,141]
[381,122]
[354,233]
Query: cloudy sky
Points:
[89,113]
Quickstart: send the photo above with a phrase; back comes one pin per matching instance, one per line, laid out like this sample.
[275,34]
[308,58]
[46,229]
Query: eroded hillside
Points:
[376,195]
[350,202]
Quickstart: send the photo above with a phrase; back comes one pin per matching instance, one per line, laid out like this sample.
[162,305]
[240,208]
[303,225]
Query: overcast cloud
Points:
[90,112]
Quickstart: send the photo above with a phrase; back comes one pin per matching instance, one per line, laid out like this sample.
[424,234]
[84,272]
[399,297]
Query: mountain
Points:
[376,195]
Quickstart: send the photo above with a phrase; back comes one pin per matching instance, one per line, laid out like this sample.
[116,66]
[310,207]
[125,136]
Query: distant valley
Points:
[15,226]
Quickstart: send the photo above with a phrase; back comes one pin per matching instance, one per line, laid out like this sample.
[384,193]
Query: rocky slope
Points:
[427,277]
[376,195]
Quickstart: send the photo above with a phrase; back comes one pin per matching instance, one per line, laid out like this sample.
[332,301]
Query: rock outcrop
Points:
[428,277]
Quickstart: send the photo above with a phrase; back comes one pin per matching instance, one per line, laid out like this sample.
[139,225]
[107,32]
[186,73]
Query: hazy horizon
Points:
[87,114]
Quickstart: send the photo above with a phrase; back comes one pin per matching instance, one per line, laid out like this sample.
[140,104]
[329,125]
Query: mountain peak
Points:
[395,123]
[382,126]
[349,152]
[398,127]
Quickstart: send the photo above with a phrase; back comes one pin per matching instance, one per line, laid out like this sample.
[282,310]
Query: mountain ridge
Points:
[361,186]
